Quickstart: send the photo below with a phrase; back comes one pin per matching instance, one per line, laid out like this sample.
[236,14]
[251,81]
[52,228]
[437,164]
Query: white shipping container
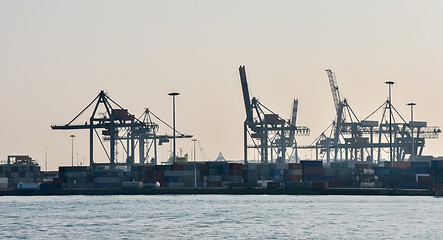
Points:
[4,180]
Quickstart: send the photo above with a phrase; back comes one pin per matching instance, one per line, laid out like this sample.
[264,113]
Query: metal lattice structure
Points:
[270,134]
[366,140]
[117,125]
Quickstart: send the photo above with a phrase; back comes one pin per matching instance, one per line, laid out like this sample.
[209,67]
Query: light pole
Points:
[391,158]
[46,158]
[195,166]
[412,129]
[173,94]
[72,155]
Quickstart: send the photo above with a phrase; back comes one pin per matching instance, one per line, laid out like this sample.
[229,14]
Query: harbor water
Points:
[221,217]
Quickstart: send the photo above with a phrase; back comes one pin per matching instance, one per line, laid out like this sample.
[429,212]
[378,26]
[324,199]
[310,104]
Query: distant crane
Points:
[340,118]
[363,140]
[263,125]
[115,120]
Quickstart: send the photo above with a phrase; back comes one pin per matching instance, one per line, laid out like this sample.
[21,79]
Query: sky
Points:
[56,56]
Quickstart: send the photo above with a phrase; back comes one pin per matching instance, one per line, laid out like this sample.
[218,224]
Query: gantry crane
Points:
[115,120]
[365,139]
[263,125]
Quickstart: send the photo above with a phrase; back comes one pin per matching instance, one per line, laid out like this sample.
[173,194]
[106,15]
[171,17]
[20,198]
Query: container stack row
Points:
[20,176]
[306,174]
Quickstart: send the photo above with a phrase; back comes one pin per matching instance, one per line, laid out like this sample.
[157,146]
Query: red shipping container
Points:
[402,164]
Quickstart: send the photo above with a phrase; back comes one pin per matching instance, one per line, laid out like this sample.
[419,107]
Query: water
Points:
[221,217]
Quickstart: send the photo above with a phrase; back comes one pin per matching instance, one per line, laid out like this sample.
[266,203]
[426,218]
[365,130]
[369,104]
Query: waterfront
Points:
[221,217]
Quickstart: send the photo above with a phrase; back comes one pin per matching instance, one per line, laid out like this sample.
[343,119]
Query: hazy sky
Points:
[55,57]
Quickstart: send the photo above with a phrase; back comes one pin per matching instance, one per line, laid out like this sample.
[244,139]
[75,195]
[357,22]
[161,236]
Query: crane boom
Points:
[293,119]
[246,98]
[334,90]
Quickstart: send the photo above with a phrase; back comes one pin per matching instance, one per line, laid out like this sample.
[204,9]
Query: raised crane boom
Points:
[293,119]
[246,98]
[334,90]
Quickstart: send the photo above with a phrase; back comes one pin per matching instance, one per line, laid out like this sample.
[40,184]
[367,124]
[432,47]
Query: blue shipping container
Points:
[313,177]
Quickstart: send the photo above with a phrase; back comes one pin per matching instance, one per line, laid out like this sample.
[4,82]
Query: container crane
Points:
[266,127]
[115,120]
[365,139]
[112,120]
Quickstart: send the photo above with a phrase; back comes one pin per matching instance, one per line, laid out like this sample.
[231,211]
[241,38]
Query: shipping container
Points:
[294,178]
[252,166]
[401,164]
[292,185]
[313,170]
[313,177]
[295,172]
[27,185]
[132,184]
[106,179]
[213,184]
[338,184]
[318,185]
[3,180]
[420,164]
[307,163]
[214,178]
[107,185]
[295,166]
[437,163]
[367,184]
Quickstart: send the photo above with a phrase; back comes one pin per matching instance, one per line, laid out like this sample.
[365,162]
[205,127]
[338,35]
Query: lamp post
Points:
[412,129]
[46,159]
[72,155]
[391,158]
[195,166]
[173,94]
